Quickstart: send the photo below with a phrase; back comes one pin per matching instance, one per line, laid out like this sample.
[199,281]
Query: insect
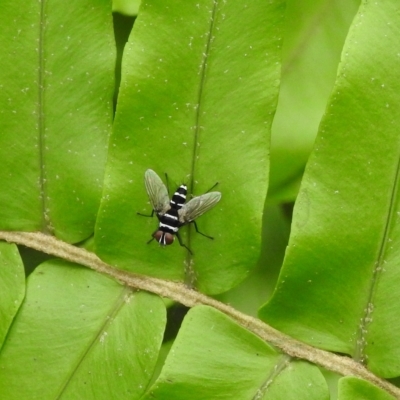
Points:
[174,213]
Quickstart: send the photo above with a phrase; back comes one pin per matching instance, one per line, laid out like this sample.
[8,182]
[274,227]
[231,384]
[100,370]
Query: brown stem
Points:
[190,298]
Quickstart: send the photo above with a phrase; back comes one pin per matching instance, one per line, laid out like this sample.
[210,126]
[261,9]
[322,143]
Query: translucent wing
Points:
[157,192]
[198,206]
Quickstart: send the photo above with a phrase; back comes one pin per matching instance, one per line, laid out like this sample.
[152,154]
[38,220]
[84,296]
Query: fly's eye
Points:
[164,238]
[158,235]
[168,238]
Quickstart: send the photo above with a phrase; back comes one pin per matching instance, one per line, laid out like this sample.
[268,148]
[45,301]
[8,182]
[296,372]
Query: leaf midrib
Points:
[189,275]
[41,119]
[109,318]
[359,353]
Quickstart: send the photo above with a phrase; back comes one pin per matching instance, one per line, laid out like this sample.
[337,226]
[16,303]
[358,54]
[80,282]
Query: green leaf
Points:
[299,381]
[260,284]
[314,33]
[214,358]
[127,7]
[197,97]
[12,286]
[80,334]
[56,80]
[338,288]
[351,388]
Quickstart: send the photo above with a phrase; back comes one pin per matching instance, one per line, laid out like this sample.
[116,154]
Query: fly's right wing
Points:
[158,193]
[198,206]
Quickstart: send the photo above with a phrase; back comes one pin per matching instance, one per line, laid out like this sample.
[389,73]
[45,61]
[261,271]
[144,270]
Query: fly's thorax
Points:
[169,222]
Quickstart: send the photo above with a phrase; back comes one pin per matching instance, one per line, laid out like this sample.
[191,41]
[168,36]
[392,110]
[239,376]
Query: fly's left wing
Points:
[198,206]
[158,193]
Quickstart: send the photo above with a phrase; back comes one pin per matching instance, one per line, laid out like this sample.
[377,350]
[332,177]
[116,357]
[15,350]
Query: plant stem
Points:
[190,298]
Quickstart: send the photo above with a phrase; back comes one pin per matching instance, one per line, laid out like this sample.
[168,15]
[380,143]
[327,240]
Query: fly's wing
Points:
[157,192]
[198,206]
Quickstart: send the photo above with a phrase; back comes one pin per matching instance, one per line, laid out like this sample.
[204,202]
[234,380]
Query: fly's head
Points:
[164,238]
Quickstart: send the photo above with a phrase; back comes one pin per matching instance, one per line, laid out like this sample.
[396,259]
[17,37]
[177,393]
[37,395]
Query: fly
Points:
[175,213]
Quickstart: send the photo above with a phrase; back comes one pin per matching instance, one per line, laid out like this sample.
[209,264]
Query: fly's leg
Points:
[212,187]
[209,190]
[167,181]
[182,244]
[145,215]
[201,233]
